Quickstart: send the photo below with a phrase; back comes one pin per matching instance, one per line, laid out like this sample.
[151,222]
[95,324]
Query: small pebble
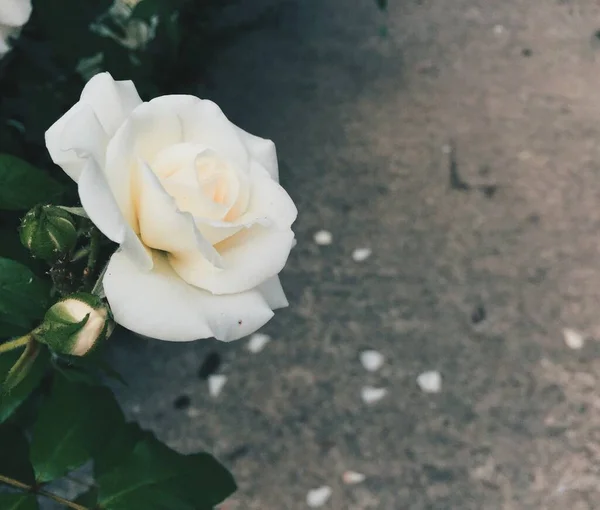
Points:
[574,339]
[371,360]
[323,238]
[361,254]
[499,29]
[446,149]
[257,342]
[318,497]
[430,382]
[370,395]
[215,384]
[352,477]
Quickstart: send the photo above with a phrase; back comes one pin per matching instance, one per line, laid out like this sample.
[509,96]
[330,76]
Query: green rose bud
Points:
[75,325]
[48,232]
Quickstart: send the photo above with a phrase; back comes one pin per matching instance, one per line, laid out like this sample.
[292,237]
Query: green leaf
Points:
[18,501]
[14,461]
[155,477]
[12,399]
[22,185]
[88,498]
[88,370]
[120,446]
[11,248]
[74,423]
[202,477]
[23,296]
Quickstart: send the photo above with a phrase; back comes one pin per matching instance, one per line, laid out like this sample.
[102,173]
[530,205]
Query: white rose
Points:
[204,227]
[13,15]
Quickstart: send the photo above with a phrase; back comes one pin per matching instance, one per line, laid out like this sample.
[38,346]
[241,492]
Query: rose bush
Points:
[204,227]
[13,15]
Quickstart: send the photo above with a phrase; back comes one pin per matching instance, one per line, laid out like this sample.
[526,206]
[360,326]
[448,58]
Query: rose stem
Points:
[41,492]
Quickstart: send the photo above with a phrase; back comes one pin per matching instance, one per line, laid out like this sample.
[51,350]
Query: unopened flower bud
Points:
[48,232]
[75,325]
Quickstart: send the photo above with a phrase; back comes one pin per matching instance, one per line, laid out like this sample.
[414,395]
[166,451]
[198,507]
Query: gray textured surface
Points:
[360,121]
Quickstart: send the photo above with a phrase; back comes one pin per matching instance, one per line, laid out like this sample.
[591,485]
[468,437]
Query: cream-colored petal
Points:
[182,175]
[268,200]
[268,205]
[102,209]
[111,100]
[89,124]
[162,225]
[216,231]
[15,13]
[147,130]
[160,305]
[273,293]
[203,122]
[75,136]
[251,255]
[248,258]
[261,150]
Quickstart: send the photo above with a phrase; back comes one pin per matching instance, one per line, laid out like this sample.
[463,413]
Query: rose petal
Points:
[161,305]
[111,100]
[273,293]
[261,150]
[83,134]
[101,207]
[15,13]
[249,258]
[268,200]
[162,225]
[104,104]
[191,184]
[269,205]
[74,137]
[203,122]
[147,131]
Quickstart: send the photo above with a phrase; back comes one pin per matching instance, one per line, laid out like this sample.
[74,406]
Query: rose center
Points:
[201,182]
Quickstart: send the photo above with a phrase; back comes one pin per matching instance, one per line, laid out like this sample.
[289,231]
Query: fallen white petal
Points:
[361,254]
[318,497]
[430,382]
[323,238]
[371,360]
[573,338]
[371,395]
[257,342]
[193,412]
[215,384]
[352,477]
